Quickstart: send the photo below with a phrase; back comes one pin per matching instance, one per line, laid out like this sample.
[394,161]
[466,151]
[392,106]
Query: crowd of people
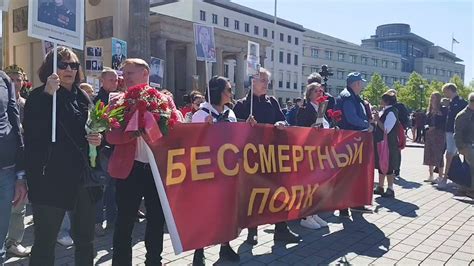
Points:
[50,176]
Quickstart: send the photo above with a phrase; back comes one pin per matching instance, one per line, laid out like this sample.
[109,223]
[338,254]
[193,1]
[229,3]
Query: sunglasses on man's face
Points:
[64,65]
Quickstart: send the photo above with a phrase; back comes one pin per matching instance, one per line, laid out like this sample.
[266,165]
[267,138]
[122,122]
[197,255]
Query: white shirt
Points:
[200,115]
[325,122]
[390,120]
[140,152]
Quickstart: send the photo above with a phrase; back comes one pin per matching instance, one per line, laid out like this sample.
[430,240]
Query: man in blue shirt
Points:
[456,105]
[355,116]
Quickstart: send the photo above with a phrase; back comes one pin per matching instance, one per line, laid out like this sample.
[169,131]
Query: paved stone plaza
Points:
[421,226]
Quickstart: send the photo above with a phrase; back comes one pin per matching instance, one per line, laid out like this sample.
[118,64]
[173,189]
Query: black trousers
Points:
[129,193]
[48,220]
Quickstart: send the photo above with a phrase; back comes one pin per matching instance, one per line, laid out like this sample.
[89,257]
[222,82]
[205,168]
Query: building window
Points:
[427,70]
[385,63]
[226,22]
[280,79]
[265,32]
[329,55]
[295,81]
[281,57]
[297,41]
[282,37]
[364,60]
[214,19]
[296,60]
[353,59]
[202,15]
[247,27]
[340,56]
[273,34]
[435,71]
[288,59]
[340,74]
[314,52]
[288,81]
[384,78]
[395,65]
[449,73]
[375,61]
[289,38]
[255,30]
[237,25]
[226,70]
[364,76]
[273,55]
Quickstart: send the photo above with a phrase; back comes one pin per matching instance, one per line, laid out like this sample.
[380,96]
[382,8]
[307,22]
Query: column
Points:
[218,66]
[159,48]
[170,68]
[191,69]
[240,75]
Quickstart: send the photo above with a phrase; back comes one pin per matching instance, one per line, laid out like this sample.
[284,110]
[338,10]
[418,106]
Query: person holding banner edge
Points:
[54,170]
[265,110]
[220,94]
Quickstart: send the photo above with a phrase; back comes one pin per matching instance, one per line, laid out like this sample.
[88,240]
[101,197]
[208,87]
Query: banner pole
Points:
[207,86]
[251,96]
[170,223]
[53,113]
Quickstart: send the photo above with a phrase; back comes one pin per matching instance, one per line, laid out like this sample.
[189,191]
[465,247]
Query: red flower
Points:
[336,115]
[115,124]
[141,105]
[157,117]
[105,116]
[153,105]
[101,105]
[321,99]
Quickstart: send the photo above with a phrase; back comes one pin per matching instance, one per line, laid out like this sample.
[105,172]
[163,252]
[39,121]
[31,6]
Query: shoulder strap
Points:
[212,113]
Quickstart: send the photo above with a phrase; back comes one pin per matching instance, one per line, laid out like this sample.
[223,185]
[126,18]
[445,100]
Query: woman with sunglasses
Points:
[54,170]
[307,117]
[220,95]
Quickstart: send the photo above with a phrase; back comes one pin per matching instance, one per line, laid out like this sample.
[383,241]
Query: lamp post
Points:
[421,96]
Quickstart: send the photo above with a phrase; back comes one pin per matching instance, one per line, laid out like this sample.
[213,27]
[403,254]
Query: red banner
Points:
[229,176]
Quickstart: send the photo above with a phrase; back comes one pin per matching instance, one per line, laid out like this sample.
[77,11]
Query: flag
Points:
[455,41]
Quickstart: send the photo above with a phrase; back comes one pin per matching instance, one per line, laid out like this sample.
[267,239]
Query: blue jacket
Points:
[354,116]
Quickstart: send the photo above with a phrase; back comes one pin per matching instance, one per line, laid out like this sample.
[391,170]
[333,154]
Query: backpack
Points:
[403,115]
[402,138]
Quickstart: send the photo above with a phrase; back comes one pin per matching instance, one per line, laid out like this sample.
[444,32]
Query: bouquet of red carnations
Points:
[102,118]
[145,107]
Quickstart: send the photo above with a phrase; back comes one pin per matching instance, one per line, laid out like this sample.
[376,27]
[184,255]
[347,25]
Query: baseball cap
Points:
[354,76]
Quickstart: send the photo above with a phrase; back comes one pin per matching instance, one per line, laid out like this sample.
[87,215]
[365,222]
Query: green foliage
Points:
[463,91]
[413,94]
[375,89]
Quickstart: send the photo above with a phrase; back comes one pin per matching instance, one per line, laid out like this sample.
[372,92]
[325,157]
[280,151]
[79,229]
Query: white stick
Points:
[53,113]
[165,205]
[207,86]
[251,96]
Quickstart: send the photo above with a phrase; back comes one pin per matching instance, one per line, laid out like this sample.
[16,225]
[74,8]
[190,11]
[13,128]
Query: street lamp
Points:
[421,96]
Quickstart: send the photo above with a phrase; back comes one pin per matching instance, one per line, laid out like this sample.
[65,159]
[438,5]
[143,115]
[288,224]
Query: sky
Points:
[354,20]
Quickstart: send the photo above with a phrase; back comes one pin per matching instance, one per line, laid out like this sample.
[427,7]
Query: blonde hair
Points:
[437,97]
[107,70]
[310,88]
[265,72]
[137,62]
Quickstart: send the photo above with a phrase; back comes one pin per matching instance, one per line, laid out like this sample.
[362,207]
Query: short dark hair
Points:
[390,98]
[217,85]
[64,53]
[314,77]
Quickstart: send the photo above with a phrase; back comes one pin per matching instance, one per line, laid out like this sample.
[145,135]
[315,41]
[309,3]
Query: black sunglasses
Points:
[64,65]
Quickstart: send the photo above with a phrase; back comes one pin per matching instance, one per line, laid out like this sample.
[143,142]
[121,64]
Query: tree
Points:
[463,91]
[413,94]
[375,89]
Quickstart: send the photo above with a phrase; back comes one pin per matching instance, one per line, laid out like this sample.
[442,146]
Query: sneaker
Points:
[320,221]
[344,213]
[309,223]
[389,193]
[228,254]
[362,209]
[18,250]
[286,236]
[99,230]
[65,241]
[378,190]
[198,258]
[252,238]
[430,179]
[442,184]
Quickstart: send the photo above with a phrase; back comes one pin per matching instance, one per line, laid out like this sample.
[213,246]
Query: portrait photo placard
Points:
[204,43]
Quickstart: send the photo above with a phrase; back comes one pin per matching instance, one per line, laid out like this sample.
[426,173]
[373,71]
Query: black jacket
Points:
[54,170]
[266,109]
[102,96]
[306,116]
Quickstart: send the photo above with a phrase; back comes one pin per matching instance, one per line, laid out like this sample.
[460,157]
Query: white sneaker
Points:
[65,241]
[18,250]
[443,183]
[320,221]
[309,223]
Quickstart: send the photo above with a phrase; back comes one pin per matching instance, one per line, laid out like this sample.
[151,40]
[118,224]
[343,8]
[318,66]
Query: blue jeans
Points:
[7,191]
[108,202]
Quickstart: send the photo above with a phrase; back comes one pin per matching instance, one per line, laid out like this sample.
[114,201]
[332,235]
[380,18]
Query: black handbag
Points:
[91,177]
